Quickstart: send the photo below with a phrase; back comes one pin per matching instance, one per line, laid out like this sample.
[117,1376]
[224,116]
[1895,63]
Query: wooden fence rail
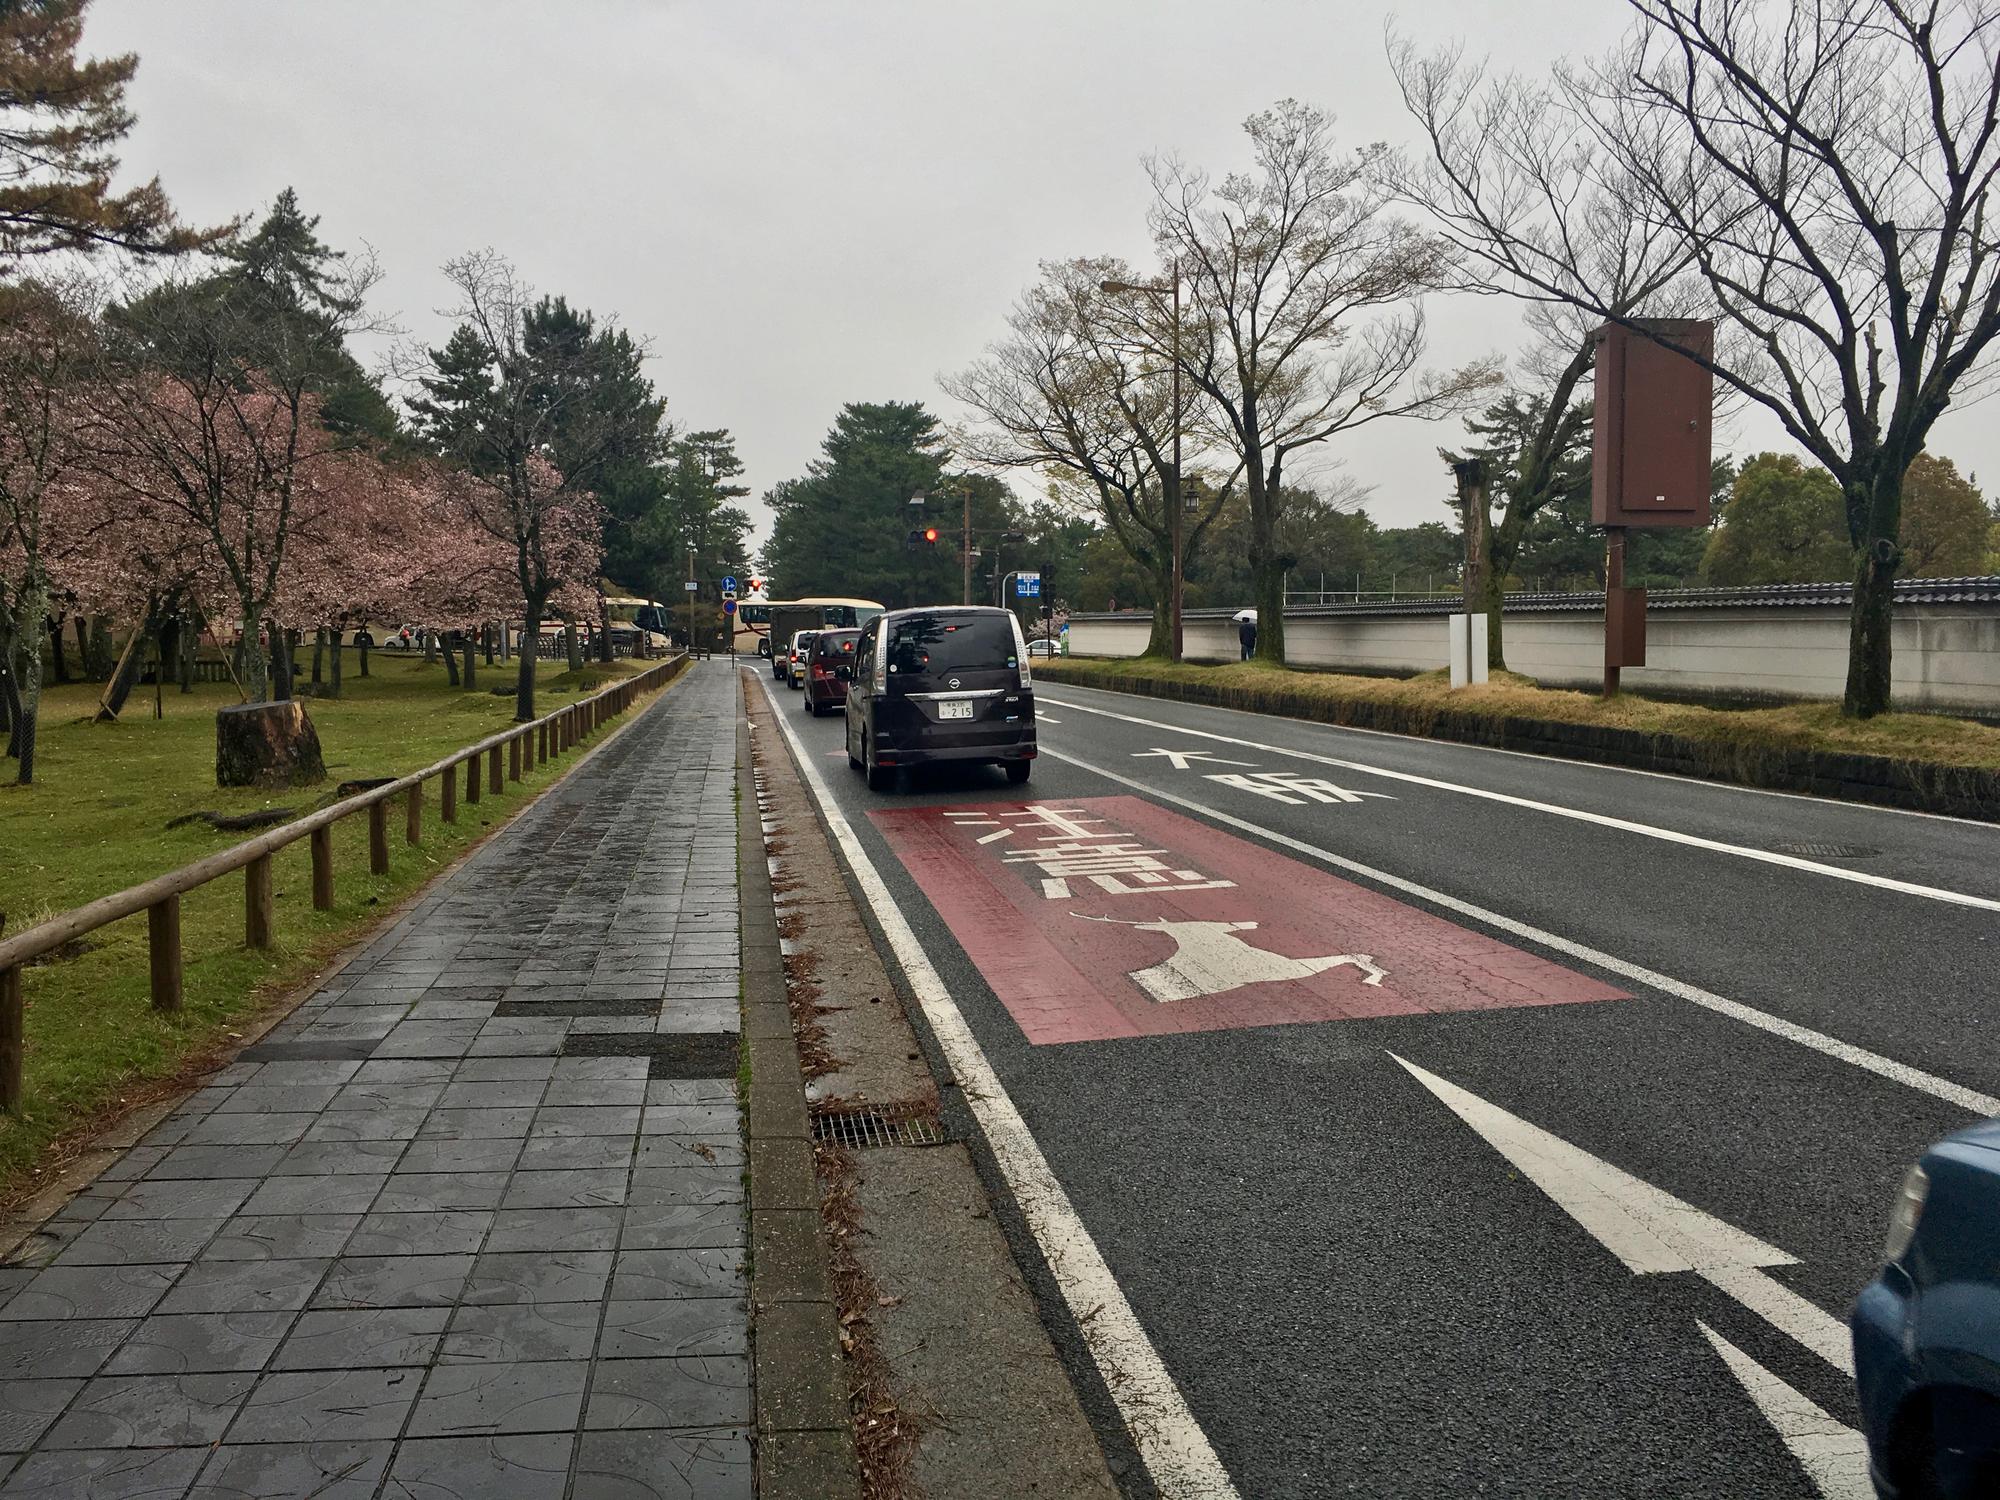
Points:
[525,746]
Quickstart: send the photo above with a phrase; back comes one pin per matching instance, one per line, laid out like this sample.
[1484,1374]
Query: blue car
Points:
[1927,1329]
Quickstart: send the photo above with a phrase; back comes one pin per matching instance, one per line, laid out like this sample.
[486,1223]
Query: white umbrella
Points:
[1244,614]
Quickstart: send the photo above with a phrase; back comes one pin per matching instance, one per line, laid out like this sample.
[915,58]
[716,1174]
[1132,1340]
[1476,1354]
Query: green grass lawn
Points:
[95,821]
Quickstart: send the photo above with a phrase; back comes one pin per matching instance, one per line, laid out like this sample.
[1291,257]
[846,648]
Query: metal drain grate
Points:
[1826,851]
[897,1125]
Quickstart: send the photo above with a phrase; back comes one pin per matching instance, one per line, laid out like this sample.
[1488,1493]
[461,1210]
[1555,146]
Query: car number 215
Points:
[954,710]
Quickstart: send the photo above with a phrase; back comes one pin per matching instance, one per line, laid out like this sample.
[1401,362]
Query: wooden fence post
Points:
[322,860]
[163,946]
[413,813]
[514,757]
[378,837]
[493,771]
[12,1043]
[471,778]
[448,802]
[258,916]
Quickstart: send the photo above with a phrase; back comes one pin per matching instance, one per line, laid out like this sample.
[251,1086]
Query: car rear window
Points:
[926,645]
[836,643]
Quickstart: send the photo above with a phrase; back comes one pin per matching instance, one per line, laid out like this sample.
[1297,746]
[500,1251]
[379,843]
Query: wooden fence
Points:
[520,746]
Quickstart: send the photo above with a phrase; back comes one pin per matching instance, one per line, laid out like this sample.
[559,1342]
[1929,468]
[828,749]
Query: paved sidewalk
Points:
[469,1222]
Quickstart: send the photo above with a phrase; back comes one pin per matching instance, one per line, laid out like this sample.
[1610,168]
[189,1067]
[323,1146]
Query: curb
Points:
[1917,786]
[805,1438]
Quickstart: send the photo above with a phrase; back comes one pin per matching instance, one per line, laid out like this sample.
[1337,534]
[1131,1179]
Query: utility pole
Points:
[691,591]
[965,543]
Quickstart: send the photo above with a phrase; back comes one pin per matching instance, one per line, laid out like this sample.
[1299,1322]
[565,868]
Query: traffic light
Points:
[930,536]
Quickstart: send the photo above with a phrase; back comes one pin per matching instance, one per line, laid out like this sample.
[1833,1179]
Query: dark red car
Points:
[829,667]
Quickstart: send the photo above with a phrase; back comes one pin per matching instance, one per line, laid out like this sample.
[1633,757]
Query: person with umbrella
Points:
[1246,631]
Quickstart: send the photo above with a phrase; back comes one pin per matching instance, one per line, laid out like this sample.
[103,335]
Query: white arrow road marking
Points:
[1170,1441]
[1649,1230]
[1180,758]
[1834,1455]
[1817,1041]
[1602,820]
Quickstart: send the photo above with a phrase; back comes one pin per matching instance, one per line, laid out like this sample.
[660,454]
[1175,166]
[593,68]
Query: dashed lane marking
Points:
[1859,1057]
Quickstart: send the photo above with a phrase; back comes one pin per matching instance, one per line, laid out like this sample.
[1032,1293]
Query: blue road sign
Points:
[729,606]
[1027,586]
[729,585]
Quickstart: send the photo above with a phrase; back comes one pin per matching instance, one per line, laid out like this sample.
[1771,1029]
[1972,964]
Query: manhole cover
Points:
[895,1125]
[1826,851]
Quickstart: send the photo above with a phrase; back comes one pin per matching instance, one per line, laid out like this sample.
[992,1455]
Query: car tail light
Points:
[1908,1209]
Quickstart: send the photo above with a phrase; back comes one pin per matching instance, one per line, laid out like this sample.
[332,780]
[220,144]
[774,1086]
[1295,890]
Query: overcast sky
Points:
[800,204]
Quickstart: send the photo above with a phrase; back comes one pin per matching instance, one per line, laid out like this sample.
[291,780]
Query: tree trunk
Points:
[253,664]
[319,658]
[450,658]
[1876,563]
[58,667]
[604,633]
[524,675]
[267,744]
[336,649]
[575,647]
[470,682]
[24,684]
[486,639]
[10,706]
[362,647]
[83,648]
[430,653]
[188,641]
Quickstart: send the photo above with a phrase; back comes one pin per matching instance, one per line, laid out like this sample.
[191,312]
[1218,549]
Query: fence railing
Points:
[521,746]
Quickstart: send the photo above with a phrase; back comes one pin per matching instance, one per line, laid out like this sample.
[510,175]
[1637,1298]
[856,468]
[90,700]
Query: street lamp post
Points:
[691,590]
[1175,582]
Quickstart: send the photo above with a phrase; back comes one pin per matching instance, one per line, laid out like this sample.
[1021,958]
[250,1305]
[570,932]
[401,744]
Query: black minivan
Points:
[940,684]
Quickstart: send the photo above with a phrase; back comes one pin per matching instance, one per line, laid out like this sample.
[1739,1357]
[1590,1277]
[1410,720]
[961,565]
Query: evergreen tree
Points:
[60,120]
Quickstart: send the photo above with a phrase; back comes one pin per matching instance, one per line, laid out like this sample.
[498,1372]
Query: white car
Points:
[1042,646]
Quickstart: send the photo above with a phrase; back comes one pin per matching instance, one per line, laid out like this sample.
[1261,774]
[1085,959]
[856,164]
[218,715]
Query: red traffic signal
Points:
[930,536]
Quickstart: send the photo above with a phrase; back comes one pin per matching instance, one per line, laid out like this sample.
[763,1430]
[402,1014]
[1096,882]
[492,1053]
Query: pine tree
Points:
[60,118]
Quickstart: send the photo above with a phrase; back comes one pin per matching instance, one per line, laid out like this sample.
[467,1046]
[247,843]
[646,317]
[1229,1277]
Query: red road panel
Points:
[1114,917]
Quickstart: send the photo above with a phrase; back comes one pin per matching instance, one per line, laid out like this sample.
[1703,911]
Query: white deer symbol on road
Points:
[1210,959]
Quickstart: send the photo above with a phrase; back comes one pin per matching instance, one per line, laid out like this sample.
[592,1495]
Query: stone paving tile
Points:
[28,1408]
[125,1242]
[644,1274]
[90,1292]
[307,1406]
[150,1411]
[690,1151]
[690,1391]
[363,1338]
[245,1286]
[537,1277]
[395,1281]
[213,1198]
[684,1226]
[549,1229]
[282,1236]
[660,1465]
[323,1471]
[455,1232]
[681,1326]
[702,1184]
[340,1193]
[201,1343]
[513,1466]
[106,1474]
[513,1332]
[59,1347]
[339,1158]
[529,1396]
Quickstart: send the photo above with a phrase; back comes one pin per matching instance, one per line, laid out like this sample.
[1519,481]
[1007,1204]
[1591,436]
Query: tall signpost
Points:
[1651,457]
[1469,627]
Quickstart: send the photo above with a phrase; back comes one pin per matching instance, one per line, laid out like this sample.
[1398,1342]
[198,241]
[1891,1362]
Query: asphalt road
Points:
[1360,1281]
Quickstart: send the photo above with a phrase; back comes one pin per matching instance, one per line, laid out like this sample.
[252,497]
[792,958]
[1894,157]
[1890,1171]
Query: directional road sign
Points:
[729,585]
[1027,585]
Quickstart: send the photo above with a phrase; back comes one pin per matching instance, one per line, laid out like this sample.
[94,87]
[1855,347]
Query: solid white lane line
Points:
[1804,1036]
[1834,1455]
[1602,820]
[1650,1230]
[1170,1441]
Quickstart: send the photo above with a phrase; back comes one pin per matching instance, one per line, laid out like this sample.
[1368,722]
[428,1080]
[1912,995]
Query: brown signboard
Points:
[1651,448]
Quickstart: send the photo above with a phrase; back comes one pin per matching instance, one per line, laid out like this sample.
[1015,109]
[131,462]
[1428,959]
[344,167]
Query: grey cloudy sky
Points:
[801,203]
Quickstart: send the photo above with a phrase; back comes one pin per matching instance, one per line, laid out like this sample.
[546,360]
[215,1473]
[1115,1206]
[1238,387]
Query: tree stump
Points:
[267,744]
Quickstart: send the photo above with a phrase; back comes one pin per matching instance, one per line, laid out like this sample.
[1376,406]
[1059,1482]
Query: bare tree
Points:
[1304,293]
[1079,386]
[1827,172]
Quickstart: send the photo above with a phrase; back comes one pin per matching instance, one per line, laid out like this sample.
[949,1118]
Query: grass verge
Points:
[1761,746]
[95,821]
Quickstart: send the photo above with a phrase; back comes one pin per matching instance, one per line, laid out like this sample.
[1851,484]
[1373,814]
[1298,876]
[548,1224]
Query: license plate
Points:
[954,710]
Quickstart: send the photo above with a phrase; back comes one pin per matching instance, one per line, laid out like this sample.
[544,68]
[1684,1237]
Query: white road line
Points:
[1170,1441]
[1602,820]
[1859,1057]
[1580,765]
[1650,1231]
[1834,1455]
